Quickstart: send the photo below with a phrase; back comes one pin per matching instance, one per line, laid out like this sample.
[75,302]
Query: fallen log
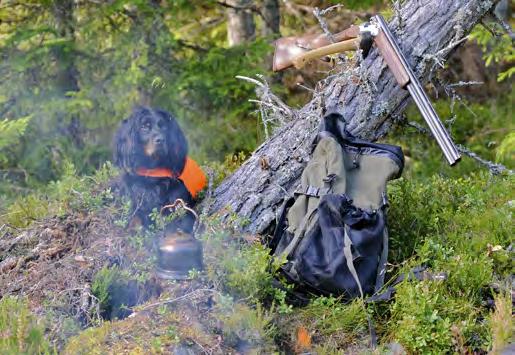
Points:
[368,96]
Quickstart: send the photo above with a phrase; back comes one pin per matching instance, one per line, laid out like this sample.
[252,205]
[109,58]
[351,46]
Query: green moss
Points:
[89,341]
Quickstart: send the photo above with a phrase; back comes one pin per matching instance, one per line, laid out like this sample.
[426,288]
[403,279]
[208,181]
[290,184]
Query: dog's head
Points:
[150,138]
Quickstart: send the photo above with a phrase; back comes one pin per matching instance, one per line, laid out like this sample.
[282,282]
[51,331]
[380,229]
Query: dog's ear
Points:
[177,143]
[125,143]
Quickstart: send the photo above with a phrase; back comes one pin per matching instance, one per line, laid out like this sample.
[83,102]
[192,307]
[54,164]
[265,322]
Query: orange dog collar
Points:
[192,176]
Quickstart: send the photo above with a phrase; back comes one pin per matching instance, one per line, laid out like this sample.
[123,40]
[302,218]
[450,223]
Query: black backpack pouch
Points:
[320,262]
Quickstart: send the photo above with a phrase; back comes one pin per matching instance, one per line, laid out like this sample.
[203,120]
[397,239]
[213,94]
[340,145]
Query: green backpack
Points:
[332,232]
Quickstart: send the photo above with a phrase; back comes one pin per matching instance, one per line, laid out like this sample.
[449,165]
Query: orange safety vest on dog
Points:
[192,176]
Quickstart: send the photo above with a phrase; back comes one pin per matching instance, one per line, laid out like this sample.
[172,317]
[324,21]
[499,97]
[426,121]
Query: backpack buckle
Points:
[330,178]
[312,191]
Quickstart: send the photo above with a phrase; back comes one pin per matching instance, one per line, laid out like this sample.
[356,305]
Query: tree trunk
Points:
[271,18]
[240,22]
[67,73]
[368,97]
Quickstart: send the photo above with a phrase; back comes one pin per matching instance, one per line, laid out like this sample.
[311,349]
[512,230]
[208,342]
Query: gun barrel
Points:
[435,125]
[422,101]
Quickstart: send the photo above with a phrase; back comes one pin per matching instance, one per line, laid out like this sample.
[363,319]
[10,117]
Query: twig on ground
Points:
[454,96]
[305,87]
[173,300]
[329,9]
[495,168]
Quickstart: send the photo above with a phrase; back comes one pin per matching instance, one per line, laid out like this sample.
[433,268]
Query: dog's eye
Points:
[145,126]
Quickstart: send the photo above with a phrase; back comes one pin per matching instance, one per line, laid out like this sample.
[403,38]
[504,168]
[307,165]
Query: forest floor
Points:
[88,286]
[55,264]
[91,286]
[74,280]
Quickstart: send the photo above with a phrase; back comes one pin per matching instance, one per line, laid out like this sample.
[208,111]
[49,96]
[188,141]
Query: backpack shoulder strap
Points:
[280,224]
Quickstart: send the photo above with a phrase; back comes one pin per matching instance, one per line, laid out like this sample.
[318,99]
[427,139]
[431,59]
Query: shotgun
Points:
[297,51]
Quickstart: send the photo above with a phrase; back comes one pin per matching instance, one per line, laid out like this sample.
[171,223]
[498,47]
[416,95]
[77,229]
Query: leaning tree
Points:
[366,94]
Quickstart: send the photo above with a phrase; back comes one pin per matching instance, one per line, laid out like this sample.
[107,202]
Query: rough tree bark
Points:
[367,96]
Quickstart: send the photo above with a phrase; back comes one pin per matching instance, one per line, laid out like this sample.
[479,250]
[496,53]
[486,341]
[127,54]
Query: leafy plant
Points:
[10,133]
[20,331]
[506,149]
[244,270]
[496,49]
[329,316]
[111,287]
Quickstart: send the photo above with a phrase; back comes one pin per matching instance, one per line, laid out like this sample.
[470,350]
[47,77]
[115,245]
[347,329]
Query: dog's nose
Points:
[158,140]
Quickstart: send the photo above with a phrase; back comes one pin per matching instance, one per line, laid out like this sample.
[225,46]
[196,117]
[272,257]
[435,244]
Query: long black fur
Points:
[142,128]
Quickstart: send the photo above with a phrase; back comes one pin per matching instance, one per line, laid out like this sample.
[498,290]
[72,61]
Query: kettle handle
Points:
[180,203]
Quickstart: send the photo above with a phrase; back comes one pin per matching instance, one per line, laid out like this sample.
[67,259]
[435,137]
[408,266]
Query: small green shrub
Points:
[243,323]
[244,270]
[496,49]
[328,316]
[425,319]
[461,227]
[220,170]
[20,332]
[501,322]
[111,286]
[459,214]
[70,193]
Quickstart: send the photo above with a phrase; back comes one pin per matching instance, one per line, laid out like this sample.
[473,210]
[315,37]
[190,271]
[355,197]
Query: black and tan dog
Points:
[152,152]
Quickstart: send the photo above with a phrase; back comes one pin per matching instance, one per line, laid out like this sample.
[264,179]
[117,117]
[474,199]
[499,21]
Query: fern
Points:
[12,130]
[506,148]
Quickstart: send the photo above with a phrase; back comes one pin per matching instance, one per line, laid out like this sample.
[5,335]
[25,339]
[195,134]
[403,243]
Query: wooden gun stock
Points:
[337,47]
[288,48]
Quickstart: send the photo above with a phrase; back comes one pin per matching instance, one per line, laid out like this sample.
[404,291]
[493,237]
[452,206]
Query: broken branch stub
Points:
[369,98]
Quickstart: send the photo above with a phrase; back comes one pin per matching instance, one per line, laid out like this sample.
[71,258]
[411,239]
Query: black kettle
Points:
[178,253]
